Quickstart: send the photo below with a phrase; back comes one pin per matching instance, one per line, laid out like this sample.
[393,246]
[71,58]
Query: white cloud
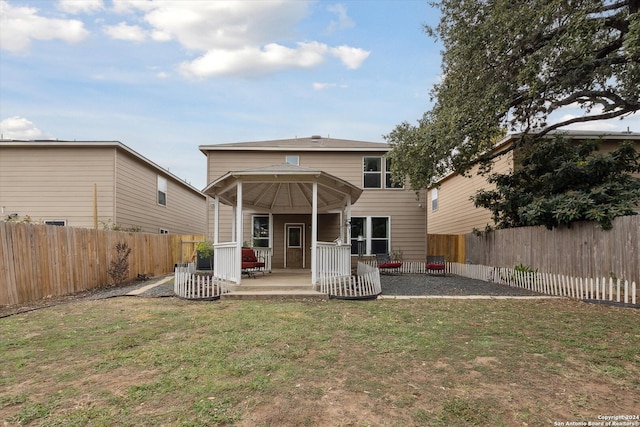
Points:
[252,61]
[323,86]
[80,6]
[352,57]
[20,25]
[207,25]
[124,31]
[239,37]
[17,127]
[127,6]
[343,19]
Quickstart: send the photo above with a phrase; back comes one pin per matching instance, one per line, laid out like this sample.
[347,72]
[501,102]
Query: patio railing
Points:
[189,284]
[333,259]
[224,261]
[364,285]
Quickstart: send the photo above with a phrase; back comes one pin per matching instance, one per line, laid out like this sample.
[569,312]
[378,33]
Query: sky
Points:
[164,77]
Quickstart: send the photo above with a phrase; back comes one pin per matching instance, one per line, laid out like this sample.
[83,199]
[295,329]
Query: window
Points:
[434,199]
[162,191]
[389,182]
[164,231]
[374,170]
[370,235]
[58,222]
[261,232]
[292,160]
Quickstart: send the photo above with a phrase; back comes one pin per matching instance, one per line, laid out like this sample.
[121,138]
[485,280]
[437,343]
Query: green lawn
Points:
[134,362]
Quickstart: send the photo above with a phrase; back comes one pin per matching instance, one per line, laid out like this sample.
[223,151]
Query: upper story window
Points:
[162,191]
[434,199]
[292,160]
[377,172]
[389,182]
[372,172]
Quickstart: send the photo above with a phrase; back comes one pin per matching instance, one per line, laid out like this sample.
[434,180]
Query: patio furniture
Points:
[436,263]
[385,264]
[250,263]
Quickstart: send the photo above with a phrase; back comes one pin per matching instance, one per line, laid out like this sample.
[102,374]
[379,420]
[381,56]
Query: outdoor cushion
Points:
[249,259]
[436,263]
[384,261]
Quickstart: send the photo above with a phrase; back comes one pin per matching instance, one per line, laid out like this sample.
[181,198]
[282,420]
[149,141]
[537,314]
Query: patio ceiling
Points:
[283,189]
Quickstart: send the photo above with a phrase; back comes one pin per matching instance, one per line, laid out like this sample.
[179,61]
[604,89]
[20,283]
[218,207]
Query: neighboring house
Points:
[449,206]
[275,181]
[93,184]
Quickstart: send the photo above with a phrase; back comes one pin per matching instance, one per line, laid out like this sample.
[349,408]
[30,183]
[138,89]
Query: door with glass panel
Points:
[294,246]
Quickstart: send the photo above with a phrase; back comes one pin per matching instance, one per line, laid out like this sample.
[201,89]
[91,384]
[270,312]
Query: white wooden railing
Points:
[265,255]
[365,285]
[190,285]
[332,259]
[225,262]
[552,284]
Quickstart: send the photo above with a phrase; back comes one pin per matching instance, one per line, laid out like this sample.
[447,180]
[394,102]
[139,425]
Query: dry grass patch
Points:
[131,361]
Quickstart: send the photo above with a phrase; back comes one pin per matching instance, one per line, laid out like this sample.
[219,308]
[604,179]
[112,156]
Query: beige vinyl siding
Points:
[456,213]
[408,228]
[57,183]
[137,203]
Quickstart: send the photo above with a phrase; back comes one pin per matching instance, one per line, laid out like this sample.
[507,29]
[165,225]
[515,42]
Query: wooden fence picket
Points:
[37,260]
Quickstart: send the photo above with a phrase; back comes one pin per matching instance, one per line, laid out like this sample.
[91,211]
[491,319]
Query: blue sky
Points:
[164,77]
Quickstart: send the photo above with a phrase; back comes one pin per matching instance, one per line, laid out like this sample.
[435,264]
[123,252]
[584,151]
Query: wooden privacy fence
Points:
[584,250]
[37,261]
[452,246]
[183,246]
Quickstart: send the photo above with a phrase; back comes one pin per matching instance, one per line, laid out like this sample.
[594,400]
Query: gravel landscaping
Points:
[424,284]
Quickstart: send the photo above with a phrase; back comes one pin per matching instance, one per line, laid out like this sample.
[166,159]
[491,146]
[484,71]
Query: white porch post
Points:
[234,214]
[239,233]
[314,235]
[216,223]
[346,237]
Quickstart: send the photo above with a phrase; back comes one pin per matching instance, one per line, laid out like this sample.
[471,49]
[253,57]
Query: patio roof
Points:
[283,188]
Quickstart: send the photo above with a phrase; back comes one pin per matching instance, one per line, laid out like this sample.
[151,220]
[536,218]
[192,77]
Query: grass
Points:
[136,362]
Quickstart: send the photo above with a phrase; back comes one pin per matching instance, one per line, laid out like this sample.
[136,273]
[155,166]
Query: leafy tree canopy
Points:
[508,65]
[557,182]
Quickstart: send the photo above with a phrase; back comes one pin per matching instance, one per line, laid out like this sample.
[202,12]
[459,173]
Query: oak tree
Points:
[507,65]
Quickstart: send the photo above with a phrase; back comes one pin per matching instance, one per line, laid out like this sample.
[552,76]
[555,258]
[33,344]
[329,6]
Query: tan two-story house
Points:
[292,195]
[450,209]
[95,184]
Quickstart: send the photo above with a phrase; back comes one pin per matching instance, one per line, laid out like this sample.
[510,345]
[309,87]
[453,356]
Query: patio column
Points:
[216,223]
[314,235]
[239,233]
[346,234]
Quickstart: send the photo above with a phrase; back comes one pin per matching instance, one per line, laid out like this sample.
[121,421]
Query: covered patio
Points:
[286,190]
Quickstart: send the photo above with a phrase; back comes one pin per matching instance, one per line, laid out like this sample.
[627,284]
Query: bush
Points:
[119,267]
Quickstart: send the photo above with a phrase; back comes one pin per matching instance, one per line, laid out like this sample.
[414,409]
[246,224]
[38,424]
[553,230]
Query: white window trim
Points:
[383,174]
[368,233]
[270,227]
[289,157]
[434,200]
[162,187]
